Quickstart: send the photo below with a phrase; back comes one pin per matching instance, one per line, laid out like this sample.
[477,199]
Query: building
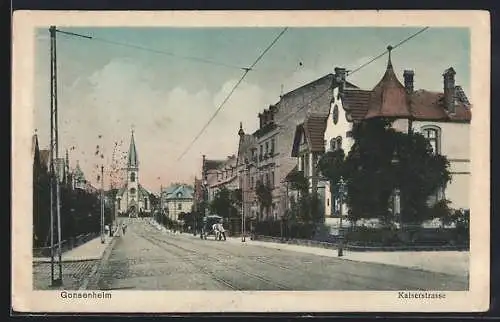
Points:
[442,117]
[178,199]
[132,199]
[80,182]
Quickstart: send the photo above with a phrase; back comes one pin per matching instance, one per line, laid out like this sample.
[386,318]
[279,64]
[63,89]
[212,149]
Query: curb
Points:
[98,265]
[360,249]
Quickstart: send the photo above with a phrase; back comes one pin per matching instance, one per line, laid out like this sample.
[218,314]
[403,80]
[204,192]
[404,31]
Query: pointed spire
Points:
[241,132]
[389,62]
[132,153]
[389,96]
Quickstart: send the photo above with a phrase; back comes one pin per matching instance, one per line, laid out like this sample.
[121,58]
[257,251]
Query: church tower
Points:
[132,175]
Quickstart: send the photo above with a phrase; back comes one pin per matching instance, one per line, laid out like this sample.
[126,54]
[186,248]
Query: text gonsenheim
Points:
[85,295]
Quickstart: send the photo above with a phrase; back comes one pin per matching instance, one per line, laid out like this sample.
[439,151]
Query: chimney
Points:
[340,74]
[449,89]
[408,76]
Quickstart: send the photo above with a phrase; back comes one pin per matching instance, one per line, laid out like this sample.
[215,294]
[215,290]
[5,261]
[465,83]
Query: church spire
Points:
[132,153]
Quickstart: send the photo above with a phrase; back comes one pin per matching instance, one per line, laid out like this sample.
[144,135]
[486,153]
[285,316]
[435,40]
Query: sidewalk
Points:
[91,250]
[78,265]
[448,262]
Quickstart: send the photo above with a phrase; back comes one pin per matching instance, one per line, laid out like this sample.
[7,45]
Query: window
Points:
[339,142]
[132,177]
[272,146]
[261,150]
[132,191]
[179,206]
[267,179]
[433,135]
[267,148]
[145,203]
[272,179]
[333,144]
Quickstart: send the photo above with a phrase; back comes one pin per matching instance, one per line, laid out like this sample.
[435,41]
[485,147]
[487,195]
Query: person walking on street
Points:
[222,231]
[124,228]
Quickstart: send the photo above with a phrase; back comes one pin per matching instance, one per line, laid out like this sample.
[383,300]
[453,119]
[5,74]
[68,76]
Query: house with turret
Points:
[442,117]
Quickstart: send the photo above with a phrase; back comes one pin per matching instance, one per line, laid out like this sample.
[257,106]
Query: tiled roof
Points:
[133,161]
[181,192]
[355,103]
[143,192]
[314,129]
[427,105]
[388,97]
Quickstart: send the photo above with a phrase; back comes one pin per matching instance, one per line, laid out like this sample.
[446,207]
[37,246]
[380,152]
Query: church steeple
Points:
[133,162]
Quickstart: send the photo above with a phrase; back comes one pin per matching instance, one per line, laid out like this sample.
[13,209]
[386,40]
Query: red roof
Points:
[390,99]
[355,102]
[314,130]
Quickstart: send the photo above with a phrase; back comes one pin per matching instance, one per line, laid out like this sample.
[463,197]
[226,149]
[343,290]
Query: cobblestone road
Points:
[148,259]
[73,274]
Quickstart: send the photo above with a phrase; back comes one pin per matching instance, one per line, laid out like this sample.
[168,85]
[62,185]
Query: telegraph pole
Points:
[102,205]
[161,205]
[54,157]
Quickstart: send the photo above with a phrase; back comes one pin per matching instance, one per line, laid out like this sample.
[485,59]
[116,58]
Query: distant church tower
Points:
[133,199]
[132,173]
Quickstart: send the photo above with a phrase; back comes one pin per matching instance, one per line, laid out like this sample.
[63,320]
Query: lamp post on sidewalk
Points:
[341,229]
[102,205]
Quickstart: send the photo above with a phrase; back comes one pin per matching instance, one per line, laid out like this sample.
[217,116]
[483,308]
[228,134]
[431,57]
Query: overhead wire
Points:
[152,50]
[386,51]
[349,73]
[232,91]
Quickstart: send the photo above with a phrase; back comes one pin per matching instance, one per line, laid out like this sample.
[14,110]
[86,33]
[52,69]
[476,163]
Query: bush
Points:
[364,236]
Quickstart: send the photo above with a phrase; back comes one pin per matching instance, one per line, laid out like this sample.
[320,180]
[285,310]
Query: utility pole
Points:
[54,157]
[102,205]
[161,204]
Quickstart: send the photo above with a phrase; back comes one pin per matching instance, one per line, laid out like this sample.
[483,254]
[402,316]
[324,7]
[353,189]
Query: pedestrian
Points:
[222,231]
[216,231]
[124,228]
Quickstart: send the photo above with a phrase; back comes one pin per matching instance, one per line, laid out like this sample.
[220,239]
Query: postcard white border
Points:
[25,299]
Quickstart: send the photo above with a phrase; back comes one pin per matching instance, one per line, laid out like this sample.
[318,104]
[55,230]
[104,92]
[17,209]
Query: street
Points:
[148,259]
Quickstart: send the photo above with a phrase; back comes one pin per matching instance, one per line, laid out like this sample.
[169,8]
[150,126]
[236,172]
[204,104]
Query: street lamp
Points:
[341,229]
[102,205]
[243,205]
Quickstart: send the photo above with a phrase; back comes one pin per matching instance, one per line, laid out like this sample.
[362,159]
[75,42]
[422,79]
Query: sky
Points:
[105,89]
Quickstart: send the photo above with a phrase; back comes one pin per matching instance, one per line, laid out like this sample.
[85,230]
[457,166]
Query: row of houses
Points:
[319,117]
[67,175]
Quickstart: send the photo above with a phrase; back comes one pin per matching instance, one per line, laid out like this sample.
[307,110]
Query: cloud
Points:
[100,110]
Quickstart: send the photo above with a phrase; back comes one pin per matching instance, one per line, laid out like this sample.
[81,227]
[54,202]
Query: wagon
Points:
[208,222]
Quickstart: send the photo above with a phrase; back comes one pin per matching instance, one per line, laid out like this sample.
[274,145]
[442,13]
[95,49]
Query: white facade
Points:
[336,136]
[174,207]
[452,140]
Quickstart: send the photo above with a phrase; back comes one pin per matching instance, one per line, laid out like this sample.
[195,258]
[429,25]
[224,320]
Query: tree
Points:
[298,182]
[264,196]
[381,161]
[223,203]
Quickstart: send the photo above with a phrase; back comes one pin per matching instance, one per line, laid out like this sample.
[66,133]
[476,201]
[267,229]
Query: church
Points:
[132,199]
